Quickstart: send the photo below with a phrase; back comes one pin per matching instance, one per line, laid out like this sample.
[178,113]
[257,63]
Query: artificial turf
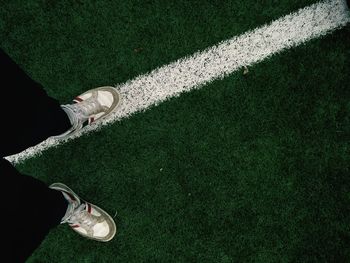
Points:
[70,46]
[251,168]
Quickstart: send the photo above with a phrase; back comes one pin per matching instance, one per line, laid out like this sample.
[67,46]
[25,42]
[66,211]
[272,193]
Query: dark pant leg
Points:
[29,208]
[29,115]
[29,211]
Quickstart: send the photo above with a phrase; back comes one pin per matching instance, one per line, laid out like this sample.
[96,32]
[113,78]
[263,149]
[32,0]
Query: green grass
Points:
[252,168]
[70,46]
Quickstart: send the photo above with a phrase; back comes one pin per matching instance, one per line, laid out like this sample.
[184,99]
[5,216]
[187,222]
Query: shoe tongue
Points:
[70,210]
[71,198]
[73,204]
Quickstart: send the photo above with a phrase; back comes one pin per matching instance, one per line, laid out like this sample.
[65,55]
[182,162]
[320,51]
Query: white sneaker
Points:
[84,218]
[89,107]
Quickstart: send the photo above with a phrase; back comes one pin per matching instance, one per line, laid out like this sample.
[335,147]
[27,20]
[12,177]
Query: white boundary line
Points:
[216,62]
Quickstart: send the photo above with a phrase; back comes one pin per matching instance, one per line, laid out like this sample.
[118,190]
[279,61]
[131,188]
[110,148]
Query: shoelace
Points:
[82,217]
[88,107]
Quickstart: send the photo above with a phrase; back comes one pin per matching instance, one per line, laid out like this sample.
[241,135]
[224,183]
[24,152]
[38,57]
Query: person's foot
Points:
[91,106]
[86,219]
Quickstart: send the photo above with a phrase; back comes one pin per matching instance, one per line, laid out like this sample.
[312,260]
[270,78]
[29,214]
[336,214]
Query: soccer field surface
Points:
[250,164]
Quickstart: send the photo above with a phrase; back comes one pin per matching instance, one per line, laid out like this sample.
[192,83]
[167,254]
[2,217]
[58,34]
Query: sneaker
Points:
[92,105]
[84,218]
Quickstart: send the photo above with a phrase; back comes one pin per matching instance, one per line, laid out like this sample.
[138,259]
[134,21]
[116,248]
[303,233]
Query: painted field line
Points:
[216,62]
